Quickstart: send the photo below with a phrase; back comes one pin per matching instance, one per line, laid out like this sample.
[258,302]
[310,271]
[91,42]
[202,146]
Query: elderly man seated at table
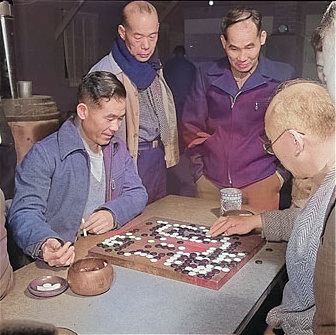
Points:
[81,177]
[300,125]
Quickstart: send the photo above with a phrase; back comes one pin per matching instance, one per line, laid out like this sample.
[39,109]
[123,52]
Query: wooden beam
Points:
[168,10]
[67,19]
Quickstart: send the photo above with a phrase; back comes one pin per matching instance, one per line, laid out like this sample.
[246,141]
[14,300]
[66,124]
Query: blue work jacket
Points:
[52,186]
[222,124]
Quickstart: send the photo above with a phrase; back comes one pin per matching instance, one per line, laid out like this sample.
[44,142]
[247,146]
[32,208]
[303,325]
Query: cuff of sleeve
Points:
[36,251]
[115,223]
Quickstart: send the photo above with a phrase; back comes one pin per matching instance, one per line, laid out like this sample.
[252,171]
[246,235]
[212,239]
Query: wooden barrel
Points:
[31,119]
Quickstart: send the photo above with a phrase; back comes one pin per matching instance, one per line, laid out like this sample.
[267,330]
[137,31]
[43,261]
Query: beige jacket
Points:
[129,131]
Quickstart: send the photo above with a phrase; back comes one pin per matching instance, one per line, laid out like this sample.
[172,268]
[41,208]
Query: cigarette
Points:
[84,230]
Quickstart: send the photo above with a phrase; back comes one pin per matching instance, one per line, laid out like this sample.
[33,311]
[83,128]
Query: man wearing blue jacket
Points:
[223,116]
[82,176]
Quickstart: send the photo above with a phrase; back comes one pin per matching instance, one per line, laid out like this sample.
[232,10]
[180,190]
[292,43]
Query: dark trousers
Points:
[152,171]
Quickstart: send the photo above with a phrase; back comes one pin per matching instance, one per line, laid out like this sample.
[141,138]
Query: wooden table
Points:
[141,303]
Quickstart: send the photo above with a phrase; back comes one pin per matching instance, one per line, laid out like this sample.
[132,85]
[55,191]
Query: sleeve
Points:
[131,196]
[278,225]
[195,113]
[325,280]
[27,219]
[194,118]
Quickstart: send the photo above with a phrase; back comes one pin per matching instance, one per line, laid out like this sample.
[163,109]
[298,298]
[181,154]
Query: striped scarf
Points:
[156,100]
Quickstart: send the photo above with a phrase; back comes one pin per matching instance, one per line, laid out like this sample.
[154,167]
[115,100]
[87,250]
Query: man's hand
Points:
[240,225]
[99,222]
[57,255]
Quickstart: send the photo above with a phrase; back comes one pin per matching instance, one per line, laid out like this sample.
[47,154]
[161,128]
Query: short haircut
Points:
[136,7]
[98,86]
[301,105]
[241,14]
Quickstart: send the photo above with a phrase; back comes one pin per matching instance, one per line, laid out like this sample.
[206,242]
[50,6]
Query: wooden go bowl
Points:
[90,276]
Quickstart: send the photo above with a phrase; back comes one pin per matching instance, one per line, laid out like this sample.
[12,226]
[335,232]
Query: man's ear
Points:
[298,141]
[121,32]
[223,40]
[82,110]
[263,36]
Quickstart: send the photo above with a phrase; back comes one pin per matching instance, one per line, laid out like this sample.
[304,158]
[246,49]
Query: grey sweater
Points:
[302,229]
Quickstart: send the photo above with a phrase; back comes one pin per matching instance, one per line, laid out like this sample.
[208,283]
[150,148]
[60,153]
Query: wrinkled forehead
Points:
[142,22]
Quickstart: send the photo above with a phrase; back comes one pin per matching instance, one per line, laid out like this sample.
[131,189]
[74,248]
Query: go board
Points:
[178,250]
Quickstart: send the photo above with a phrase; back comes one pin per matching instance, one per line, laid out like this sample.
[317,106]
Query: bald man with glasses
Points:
[300,129]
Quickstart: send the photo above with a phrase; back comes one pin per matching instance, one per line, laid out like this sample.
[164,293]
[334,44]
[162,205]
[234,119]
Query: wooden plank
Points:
[178,250]
[61,27]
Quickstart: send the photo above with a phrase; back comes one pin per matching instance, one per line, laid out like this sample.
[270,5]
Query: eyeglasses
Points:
[267,144]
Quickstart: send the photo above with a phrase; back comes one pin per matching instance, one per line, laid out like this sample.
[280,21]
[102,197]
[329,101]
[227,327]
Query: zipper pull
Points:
[113,186]
[256,107]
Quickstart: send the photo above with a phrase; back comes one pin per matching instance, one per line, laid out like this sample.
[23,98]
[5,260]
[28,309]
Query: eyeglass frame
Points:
[267,143]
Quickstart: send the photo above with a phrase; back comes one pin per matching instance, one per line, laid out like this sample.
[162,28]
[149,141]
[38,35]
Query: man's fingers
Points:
[62,257]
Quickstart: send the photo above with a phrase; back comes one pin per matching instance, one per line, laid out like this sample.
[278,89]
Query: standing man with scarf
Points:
[150,130]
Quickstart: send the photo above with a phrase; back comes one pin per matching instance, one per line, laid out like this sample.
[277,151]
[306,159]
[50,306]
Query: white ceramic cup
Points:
[230,199]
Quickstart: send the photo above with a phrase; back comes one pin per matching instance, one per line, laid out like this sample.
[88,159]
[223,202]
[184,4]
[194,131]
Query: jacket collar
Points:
[266,71]
[68,138]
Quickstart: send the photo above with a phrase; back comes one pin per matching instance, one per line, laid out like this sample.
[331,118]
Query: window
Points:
[80,45]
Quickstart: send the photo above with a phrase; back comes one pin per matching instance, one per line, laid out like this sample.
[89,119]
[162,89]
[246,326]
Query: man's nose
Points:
[242,56]
[145,44]
[114,125]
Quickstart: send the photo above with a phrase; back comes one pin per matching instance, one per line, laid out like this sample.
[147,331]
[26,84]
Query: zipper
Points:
[111,182]
[233,101]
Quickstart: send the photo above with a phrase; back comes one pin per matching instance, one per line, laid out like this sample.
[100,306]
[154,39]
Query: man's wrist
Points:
[38,251]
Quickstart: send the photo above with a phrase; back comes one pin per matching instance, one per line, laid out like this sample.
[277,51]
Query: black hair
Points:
[99,85]
[241,14]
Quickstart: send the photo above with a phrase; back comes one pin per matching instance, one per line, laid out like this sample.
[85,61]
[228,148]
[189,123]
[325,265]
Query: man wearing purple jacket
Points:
[223,117]
[82,176]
